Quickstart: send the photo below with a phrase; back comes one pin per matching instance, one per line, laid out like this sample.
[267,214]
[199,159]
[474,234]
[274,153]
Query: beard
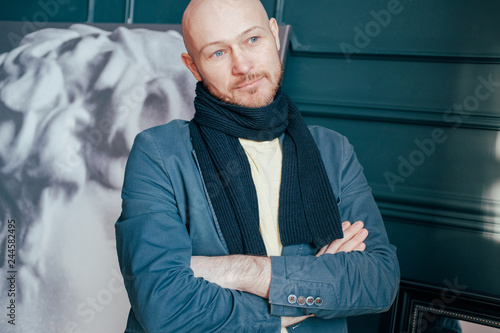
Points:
[255,98]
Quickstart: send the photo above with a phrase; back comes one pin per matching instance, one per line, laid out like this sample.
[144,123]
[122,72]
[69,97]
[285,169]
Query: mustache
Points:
[248,78]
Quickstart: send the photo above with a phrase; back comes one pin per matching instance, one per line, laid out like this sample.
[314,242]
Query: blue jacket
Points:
[167,218]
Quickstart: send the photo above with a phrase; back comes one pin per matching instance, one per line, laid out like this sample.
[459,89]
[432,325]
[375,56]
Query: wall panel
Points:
[159,11]
[437,254]
[162,11]
[434,175]
[107,11]
[406,27]
[416,92]
[271,7]
[39,12]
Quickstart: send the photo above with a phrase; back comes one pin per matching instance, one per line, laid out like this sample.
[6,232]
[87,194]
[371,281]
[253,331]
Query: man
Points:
[232,222]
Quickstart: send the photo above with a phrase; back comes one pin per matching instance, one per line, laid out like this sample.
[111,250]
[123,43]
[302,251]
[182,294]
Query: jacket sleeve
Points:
[154,252]
[341,284]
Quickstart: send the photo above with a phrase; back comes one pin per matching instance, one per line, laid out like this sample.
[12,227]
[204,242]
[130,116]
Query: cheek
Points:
[217,75]
[219,82]
[273,63]
[274,70]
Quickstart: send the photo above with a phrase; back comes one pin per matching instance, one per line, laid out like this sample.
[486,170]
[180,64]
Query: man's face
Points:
[234,51]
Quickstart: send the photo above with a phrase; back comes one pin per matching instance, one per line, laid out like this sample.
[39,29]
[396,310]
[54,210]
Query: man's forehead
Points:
[194,5]
[223,19]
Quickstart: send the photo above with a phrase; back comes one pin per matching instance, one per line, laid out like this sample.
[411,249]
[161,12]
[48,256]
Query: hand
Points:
[354,237]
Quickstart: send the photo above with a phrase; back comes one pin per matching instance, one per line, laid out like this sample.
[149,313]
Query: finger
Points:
[360,247]
[333,247]
[355,241]
[322,251]
[349,232]
[345,225]
[352,230]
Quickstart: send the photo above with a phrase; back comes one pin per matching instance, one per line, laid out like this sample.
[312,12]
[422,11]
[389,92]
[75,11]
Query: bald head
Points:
[233,49]
[216,15]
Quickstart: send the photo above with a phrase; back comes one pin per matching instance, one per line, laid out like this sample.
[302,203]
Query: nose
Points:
[242,63]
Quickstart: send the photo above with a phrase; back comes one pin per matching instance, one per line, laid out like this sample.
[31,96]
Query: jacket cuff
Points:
[295,297]
[278,296]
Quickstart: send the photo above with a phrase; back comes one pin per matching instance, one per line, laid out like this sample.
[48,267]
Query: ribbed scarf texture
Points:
[308,212]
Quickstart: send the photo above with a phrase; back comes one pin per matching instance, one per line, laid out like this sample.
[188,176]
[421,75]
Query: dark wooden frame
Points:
[418,303]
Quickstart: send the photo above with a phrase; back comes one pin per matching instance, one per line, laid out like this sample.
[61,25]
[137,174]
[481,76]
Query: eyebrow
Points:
[239,36]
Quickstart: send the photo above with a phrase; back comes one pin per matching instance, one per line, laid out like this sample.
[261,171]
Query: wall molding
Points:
[439,208]
[420,206]
[394,114]
[129,11]
[306,50]
[280,10]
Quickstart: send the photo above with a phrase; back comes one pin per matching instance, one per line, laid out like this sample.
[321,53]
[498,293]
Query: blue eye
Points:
[253,39]
[218,54]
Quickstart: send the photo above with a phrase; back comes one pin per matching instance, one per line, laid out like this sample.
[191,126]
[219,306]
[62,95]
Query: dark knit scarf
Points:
[308,211]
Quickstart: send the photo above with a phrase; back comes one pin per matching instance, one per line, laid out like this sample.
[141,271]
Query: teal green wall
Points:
[409,87]
[422,86]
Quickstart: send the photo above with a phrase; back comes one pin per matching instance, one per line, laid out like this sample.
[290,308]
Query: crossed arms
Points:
[158,243]
[252,274]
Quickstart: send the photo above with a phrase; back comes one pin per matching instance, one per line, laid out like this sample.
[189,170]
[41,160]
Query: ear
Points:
[273,25]
[189,62]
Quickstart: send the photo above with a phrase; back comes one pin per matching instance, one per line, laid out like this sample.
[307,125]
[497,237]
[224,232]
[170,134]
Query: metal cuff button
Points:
[318,301]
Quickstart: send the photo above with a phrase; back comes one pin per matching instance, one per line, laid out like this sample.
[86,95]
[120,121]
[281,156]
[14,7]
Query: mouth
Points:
[250,84]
